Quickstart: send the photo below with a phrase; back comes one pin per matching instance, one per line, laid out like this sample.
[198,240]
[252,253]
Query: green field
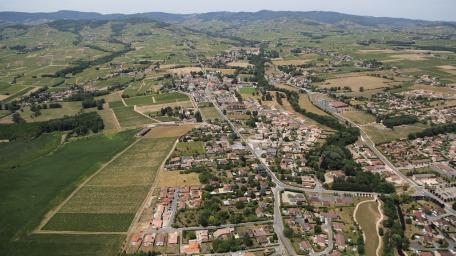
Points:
[192,148]
[16,153]
[170,97]
[109,201]
[140,100]
[127,117]
[68,109]
[247,90]
[40,183]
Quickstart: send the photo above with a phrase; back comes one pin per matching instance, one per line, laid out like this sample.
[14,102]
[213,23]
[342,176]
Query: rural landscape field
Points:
[226,133]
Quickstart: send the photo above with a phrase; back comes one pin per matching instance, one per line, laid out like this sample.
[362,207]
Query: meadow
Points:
[210,113]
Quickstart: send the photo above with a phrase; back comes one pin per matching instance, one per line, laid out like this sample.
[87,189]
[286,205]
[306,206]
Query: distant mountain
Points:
[230,17]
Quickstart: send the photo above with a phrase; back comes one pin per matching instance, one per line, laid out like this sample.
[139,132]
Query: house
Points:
[193,247]
[202,235]
[340,240]
[149,239]
[160,240]
[172,238]
[305,246]
[259,232]
[222,232]
[135,240]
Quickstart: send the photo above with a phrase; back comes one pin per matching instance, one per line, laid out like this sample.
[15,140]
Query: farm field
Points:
[382,134]
[356,82]
[210,113]
[127,117]
[367,217]
[49,179]
[158,107]
[110,199]
[359,117]
[167,131]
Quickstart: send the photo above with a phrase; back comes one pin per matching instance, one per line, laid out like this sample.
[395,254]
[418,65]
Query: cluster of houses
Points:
[430,227]
[279,136]
[421,152]
[315,227]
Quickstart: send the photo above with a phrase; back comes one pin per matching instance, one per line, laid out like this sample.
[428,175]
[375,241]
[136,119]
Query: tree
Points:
[18,119]
[361,89]
[198,117]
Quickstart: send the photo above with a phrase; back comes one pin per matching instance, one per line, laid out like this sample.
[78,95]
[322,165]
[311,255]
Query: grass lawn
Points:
[189,148]
[32,189]
[210,113]
[367,217]
[127,117]
[247,90]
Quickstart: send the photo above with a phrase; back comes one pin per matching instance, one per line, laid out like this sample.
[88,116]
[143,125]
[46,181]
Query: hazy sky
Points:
[420,9]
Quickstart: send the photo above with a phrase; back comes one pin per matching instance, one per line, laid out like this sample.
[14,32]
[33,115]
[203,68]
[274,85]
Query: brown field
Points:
[282,62]
[6,120]
[305,103]
[287,87]
[242,64]
[367,216]
[449,69]
[2,97]
[155,108]
[356,82]
[170,131]
[109,120]
[186,70]
[113,97]
[176,179]
[408,56]
[437,89]
[225,71]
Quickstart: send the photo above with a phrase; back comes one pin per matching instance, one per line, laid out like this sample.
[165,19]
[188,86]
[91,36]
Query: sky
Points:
[416,9]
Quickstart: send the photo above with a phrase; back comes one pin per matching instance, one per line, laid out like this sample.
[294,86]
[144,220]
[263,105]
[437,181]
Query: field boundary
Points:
[52,212]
